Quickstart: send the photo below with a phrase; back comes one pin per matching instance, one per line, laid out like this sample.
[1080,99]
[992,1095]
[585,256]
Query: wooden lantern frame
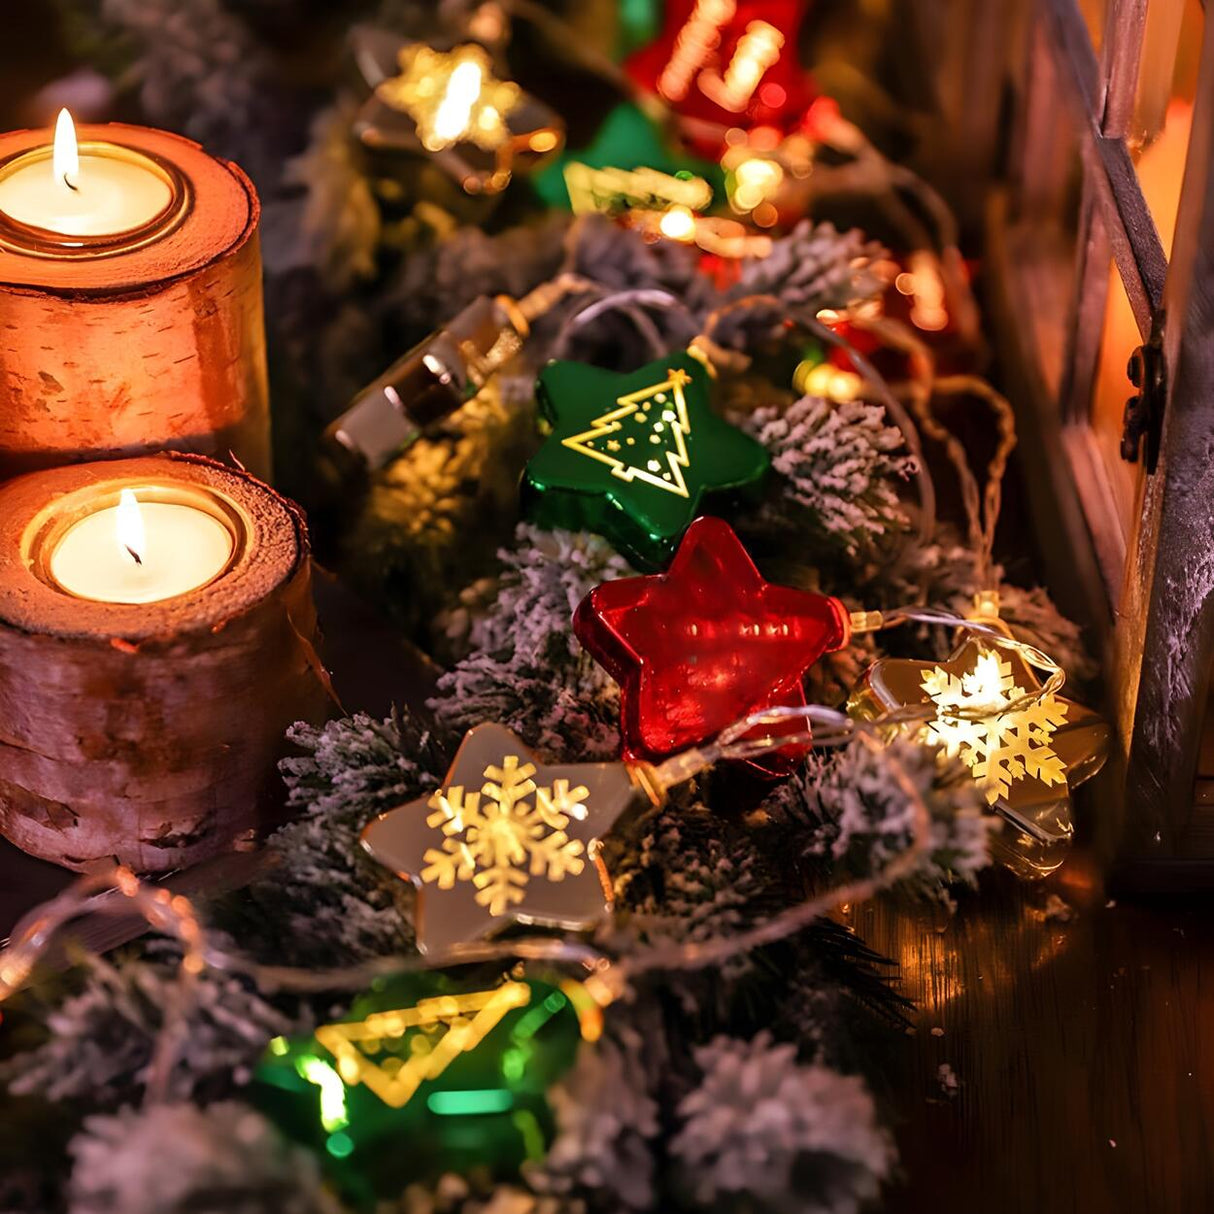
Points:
[1068,89]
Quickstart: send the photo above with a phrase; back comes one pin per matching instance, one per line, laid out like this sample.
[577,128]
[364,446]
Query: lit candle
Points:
[130,290]
[106,191]
[141,552]
[147,675]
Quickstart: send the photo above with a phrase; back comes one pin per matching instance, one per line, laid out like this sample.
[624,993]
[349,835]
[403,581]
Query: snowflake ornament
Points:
[1002,747]
[1027,759]
[505,840]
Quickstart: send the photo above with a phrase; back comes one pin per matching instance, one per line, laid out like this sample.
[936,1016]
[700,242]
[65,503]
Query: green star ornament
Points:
[636,457]
[430,1073]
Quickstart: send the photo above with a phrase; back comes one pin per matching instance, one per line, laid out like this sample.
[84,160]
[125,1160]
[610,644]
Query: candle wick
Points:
[134,555]
[67,182]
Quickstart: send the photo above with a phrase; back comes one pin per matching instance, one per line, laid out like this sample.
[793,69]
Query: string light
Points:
[756,51]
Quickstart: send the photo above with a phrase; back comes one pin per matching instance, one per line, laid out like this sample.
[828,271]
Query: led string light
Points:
[174,914]
[809,725]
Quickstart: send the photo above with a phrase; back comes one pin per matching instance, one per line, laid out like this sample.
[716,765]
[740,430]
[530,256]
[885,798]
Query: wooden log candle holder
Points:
[148,731]
[143,340]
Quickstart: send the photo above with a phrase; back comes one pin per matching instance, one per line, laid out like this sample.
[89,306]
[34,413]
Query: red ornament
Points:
[727,63]
[704,644]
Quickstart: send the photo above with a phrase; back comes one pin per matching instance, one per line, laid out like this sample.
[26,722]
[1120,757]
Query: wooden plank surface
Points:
[1084,1050]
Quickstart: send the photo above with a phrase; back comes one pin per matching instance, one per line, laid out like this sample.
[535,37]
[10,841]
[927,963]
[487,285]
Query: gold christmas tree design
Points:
[645,437]
[505,834]
[1001,746]
[450,1025]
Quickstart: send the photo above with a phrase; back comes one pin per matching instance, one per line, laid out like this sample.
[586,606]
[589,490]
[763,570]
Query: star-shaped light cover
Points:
[706,643]
[1027,760]
[727,63]
[505,840]
[458,1071]
[636,457]
[450,105]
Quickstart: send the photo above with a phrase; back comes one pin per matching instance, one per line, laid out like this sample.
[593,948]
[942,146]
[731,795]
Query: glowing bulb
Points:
[129,525]
[755,181]
[65,155]
[455,110]
[678,224]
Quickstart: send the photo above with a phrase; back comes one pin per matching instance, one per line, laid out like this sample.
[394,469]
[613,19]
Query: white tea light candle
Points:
[144,722]
[105,191]
[130,290]
[141,552]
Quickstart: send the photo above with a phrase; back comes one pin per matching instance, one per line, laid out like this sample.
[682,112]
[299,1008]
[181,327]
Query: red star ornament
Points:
[706,643]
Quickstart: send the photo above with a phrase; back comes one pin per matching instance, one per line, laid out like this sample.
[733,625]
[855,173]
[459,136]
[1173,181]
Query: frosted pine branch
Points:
[101,1039]
[324,900]
[523,667]
[763,1132]
[606,1122]
[839,469]
[848,809]
[178,1159]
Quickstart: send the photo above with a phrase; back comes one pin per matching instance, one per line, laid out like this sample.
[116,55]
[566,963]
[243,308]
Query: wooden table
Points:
[1083,1046]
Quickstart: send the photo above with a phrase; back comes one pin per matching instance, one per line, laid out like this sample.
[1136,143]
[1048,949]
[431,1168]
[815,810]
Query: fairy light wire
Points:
[816,725]
[982,506]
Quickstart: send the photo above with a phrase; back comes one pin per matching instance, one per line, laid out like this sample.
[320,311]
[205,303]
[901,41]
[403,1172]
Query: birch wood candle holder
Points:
[149,731]
[135,338]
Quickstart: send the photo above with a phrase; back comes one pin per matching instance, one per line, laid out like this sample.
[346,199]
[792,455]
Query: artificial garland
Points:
[674,1106]
[685,1045]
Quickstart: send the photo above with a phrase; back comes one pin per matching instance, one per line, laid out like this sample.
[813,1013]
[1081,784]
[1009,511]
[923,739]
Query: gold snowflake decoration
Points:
[505,834]
[505,839]
[1002,745]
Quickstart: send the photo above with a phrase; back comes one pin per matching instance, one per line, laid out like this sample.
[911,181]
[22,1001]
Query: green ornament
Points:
[427,1075]
[636,457]
[627,139]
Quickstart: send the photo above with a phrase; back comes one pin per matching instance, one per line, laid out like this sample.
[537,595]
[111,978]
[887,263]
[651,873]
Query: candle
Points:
[106,191]
[145,702]
[130,289]
[141,552]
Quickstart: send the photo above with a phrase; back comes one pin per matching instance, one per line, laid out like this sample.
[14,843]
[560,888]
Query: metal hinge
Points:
[1142,423]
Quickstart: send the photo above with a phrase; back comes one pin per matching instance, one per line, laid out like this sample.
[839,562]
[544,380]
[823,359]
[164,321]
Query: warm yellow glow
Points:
[927,290]
[1000,745]
[757,49]
[678,224]
[607,190]
[65,156]
[832,383]
[452,96]
[755,180]
[129,525]
[468,1019]
[454,113]
[696,43]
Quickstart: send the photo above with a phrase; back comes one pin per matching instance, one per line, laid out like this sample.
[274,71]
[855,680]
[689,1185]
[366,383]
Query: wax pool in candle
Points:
[102,192]
[180,549]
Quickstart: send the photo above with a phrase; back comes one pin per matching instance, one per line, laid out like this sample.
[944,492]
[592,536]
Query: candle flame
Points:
[129,529]
[66,155]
